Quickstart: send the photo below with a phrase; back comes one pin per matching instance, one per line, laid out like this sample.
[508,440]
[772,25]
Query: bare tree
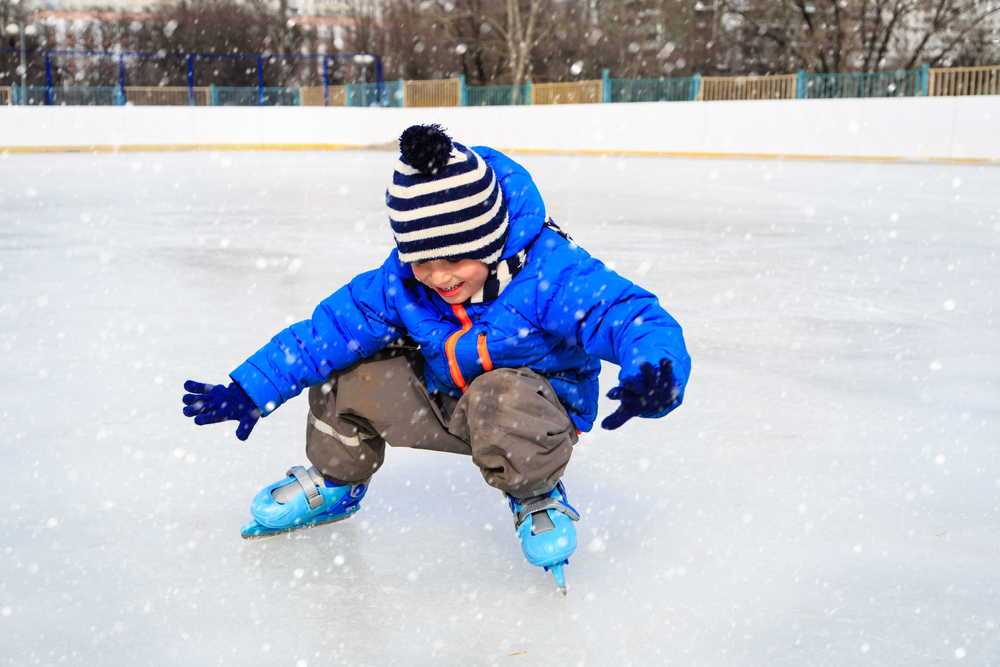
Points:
[367,32]
[17,12]
[523,31]
[278,30]
[858,35]
[505,36]
[950,30]
[492,42]
[481,54]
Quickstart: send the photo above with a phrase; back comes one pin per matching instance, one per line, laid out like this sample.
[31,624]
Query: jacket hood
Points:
[525,208]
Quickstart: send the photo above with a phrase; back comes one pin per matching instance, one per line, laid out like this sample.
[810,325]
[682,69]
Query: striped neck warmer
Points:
[503,273]
[500,276]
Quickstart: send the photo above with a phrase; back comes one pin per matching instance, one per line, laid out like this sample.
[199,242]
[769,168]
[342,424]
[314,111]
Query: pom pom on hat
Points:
[445,201]
[426,148]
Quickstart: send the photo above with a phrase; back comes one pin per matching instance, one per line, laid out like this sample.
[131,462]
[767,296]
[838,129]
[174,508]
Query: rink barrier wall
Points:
[922,82]
[961,129]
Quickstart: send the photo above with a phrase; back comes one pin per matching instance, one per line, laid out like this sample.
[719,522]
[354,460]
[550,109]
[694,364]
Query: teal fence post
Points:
[190,64]
[213,95]
[925,79]
[14,96]
[605,85]
[347,94]
[121,80]
[528,102]
[402,93]
[800,85]
[49,90]
[695,86]
[326,82]
[462,99]
[260,81]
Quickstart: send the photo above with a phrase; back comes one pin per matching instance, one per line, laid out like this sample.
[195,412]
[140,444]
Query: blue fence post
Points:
[121,80]
[528,101]
[925,79]
[402,93]
[695,86]
[260,81]
[462,98]
[379,84]
[326,80]
[800,85]
[605,85]
[14,96]
[213,95]
[190,80]
[347,94]
[48,78]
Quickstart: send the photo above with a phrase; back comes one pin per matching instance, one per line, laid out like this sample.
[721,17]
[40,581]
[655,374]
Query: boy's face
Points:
[455,281]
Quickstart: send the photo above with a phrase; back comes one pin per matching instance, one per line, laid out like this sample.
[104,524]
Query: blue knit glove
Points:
[652,391]
[213,403]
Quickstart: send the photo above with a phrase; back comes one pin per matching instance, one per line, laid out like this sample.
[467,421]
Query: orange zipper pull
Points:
[452,342]
[484,353]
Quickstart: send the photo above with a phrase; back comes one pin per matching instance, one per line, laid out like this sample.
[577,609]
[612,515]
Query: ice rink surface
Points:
[829,494]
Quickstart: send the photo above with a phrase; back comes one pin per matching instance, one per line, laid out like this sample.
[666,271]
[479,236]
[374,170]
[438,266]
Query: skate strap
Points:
[542,505]
[313,495]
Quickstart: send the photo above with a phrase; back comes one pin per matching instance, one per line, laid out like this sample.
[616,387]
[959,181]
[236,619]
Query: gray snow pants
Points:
[509,420]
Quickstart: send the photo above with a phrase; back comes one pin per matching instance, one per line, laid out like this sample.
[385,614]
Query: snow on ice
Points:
[829,494]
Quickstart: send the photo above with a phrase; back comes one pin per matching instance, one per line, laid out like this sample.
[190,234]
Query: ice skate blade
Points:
[255,531]
[557,572]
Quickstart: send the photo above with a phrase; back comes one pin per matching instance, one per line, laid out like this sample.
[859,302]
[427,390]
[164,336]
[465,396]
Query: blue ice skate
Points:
[545,525]
[302,500]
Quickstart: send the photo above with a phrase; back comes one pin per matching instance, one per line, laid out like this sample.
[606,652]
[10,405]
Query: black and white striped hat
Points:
[445,201]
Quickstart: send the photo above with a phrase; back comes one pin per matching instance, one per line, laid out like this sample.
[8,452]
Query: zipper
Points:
[484,354]
[452,342]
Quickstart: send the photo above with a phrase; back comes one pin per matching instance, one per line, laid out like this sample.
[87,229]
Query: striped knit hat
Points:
[445,201]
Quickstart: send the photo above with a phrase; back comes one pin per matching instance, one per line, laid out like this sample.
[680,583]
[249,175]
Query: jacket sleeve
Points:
[591,306]
[354,322]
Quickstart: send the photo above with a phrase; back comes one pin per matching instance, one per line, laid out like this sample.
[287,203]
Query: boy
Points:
[481,334]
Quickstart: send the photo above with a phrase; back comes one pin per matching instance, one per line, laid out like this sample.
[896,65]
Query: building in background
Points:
[79,24]
[295,7]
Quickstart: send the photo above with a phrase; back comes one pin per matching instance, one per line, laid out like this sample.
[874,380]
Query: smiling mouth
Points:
[449,291]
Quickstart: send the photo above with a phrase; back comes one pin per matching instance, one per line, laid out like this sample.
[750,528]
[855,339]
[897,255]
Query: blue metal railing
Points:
[104,96]
[366,94]
[651,90]
[222,96]
[903,83]
[497,96]
[30,96]
[394,94]
[190,58]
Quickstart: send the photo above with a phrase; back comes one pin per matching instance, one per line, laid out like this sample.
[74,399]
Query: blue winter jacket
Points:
[560,316]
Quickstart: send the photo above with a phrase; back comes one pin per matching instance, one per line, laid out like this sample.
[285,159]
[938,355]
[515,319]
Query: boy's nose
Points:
[441,277]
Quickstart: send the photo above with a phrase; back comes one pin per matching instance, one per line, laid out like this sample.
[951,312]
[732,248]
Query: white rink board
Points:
[953,128]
